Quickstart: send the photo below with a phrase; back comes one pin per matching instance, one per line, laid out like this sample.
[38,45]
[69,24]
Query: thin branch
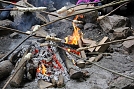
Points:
[111,42]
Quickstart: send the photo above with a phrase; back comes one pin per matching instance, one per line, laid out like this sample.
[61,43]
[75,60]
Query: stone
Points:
[14,35]
[112,22]
[128,45]
[43,84]
[121,33]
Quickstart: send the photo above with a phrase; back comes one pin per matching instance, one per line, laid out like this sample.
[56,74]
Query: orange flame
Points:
[44,70]
[76,36]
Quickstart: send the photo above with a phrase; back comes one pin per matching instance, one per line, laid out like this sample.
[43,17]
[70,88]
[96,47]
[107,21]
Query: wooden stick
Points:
[45,11]
[101,17]
[18,67]
[128,77]
[83,54]
[18,77]
[111,42]
[82,12]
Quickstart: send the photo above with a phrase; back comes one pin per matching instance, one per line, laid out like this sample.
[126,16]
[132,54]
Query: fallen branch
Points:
[111,42]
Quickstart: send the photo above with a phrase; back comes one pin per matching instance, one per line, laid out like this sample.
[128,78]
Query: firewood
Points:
[92,59]
[83,55]
[74,74]
[98,58]
[73,71]
[104,47]
[5,69]
[92,44]
[107,43]
[80,63]
[16,81]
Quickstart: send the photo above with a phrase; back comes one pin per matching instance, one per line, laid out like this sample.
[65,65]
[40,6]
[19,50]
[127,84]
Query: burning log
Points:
[77,22]
[5,69]
[73,70]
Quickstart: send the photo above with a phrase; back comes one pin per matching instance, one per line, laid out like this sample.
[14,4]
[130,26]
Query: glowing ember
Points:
[76,36]
[72,50]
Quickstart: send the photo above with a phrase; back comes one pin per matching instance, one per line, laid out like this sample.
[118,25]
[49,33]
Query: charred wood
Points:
[16,81]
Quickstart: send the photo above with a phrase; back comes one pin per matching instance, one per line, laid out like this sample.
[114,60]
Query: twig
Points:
[99,65]
[101,17]
[111,42]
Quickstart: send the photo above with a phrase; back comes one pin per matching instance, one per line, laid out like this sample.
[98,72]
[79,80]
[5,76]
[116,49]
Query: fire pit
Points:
[68,54]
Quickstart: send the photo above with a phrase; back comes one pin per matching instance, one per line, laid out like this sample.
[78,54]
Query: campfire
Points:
[52,60]
[76,33]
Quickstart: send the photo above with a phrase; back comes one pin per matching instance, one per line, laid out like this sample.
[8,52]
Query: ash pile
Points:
[90,48]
